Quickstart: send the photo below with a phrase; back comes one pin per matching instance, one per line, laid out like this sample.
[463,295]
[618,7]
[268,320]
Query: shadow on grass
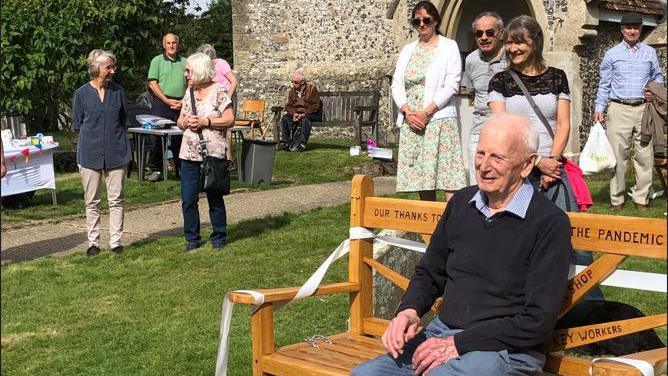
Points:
[602,194]
[321,145]
[236,232]
[255,227]
[64,196]
[31,251]
[246,229]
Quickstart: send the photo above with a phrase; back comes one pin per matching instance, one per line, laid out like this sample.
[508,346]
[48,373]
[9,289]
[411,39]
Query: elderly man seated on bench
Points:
[499,257]
[302,108]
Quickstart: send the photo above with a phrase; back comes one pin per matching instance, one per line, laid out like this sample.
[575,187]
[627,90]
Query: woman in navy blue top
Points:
[99,112]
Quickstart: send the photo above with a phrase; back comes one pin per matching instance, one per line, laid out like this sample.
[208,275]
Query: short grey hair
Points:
[531,138]
[529,135]
[299,74]
[96,58]
[176,37]
[499,20]
[207,49]
[201,68]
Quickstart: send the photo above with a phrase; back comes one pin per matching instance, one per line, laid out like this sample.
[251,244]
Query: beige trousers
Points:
[92,182]
[623,130]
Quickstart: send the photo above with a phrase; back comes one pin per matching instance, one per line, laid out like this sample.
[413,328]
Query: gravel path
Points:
[68,236]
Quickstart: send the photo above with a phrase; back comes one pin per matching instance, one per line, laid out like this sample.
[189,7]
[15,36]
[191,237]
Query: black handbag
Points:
[214,174]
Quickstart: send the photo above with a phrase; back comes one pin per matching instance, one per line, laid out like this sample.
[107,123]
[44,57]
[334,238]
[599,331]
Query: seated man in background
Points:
[302,108]
[499,257]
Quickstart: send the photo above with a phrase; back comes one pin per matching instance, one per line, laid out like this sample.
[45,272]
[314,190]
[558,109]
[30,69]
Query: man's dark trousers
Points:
[159,108]
[287,126]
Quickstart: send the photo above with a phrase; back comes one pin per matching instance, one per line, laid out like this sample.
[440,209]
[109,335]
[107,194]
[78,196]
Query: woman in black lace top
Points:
[548,87]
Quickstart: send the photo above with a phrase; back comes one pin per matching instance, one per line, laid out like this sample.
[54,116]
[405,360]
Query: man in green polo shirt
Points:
[167,84]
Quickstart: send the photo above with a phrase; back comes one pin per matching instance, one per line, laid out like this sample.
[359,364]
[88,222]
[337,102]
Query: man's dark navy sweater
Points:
[503,279]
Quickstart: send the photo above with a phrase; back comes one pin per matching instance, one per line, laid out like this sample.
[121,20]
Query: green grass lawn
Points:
[326,160]
[155,310]
[599,186]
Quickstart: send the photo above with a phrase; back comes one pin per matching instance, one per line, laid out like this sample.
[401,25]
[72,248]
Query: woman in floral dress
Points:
[425,81]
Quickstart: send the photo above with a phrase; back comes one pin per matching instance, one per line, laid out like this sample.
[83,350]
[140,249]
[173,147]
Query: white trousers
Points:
[92,182]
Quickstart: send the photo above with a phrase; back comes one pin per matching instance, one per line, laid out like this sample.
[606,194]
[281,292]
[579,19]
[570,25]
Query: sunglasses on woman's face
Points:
[489,32]
[426,21]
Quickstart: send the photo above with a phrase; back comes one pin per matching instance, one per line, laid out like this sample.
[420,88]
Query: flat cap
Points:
[631,19]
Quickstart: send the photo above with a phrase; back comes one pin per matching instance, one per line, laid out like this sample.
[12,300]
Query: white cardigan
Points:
[441,79]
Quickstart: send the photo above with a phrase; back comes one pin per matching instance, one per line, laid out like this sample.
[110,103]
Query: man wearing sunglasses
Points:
[480,66]
[303,107]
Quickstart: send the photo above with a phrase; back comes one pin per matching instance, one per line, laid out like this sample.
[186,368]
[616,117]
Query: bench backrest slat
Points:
[407,215]
[631,236]
[338,106]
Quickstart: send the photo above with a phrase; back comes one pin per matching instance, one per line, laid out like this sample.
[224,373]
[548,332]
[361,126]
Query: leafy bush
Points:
[45,44]
[65,161]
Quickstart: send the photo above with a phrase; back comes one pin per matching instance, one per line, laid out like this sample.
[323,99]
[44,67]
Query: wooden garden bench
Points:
[616,237]
[356,109]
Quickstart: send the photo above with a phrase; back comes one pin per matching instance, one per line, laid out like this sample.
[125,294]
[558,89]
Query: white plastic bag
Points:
[597,154]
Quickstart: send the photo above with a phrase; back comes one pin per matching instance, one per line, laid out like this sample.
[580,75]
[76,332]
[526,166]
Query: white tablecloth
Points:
[26,177]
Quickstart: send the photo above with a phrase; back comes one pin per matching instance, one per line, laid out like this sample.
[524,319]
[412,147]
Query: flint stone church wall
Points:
[339,45]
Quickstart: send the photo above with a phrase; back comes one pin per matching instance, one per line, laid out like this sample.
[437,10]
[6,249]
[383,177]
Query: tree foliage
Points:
[45,44]
[213,26]
[217,22]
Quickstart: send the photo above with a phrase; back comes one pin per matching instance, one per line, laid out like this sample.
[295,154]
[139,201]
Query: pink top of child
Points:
[222,68]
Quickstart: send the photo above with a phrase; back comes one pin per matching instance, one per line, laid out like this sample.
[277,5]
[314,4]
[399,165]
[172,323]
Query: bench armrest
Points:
[276,109]
[365,108]
[287,293]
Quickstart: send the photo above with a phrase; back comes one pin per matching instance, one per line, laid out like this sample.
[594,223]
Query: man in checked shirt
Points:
[626,70]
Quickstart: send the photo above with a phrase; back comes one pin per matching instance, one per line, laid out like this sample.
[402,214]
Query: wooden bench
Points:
[616,237]
[356,109]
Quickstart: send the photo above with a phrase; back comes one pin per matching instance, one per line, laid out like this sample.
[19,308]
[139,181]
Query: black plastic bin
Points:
[258,161]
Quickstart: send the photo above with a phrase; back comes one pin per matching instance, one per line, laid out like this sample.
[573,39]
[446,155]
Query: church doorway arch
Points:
[458,15]
[457,19]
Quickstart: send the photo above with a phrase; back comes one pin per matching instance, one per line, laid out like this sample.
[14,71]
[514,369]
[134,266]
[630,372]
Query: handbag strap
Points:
[202,141]
[537,110]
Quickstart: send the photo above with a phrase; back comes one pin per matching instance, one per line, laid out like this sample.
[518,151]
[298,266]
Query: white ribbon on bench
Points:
[225,325]
[306,290]
[355,233]
[645,368]
[630,279]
